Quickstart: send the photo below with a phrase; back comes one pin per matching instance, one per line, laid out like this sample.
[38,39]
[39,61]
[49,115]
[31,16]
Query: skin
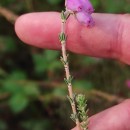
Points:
[109,38]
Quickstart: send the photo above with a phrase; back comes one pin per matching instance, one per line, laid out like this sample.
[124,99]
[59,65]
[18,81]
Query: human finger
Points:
[108,38]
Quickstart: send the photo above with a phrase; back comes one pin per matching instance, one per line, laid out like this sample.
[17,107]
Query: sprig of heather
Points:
[82,110]
[82,9]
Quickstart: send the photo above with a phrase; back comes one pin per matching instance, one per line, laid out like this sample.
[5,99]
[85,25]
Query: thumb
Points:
[115,118]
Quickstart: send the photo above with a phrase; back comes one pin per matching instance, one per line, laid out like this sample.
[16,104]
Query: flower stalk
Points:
[64,59]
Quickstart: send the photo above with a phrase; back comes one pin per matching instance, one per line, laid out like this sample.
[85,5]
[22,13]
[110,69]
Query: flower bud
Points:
[82,9]
[87,6]
[85,18]
[74,5]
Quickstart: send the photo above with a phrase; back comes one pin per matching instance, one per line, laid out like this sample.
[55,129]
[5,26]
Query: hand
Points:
[109,38]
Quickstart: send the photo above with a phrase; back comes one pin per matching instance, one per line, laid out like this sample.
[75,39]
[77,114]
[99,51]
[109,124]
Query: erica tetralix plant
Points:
[82,10]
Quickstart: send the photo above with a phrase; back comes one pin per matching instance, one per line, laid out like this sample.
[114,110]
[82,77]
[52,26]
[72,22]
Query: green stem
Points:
[64,59]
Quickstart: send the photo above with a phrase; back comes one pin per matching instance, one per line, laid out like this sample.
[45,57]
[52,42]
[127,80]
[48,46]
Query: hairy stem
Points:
[68,78]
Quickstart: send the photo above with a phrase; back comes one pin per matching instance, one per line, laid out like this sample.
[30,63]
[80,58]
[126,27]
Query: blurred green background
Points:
[32,91]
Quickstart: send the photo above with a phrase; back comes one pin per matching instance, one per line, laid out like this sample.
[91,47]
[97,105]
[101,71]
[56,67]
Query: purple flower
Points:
[73,5]
[85,18]
[79,5]
[87,6]
[82,9]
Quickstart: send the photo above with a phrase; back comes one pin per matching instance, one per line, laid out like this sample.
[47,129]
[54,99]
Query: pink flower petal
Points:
[85,18]
[87,6]
[74,5]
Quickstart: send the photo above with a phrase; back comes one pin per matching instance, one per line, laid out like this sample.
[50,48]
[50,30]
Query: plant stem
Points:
[67,72]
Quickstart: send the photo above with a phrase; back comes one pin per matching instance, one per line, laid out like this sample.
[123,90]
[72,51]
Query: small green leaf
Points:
[31,89]
[46,61]
[18,103]
[62,37]
[74,117]
[63,17]
[11,86]
[83,85]
[17,75]
[51,55]
[60,92]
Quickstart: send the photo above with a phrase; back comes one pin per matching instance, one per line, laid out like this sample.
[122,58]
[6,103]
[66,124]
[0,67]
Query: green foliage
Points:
[59,92]
[20,91]
[83,85]
[95,3]
[18,102]
[31,90]
[17,75]
[45,61]
[20,94]
[82,110]
[7,44]
[89,61]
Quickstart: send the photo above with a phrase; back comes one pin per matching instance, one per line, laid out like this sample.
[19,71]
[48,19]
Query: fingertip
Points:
[38,29]
[18,26]
[22,27]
